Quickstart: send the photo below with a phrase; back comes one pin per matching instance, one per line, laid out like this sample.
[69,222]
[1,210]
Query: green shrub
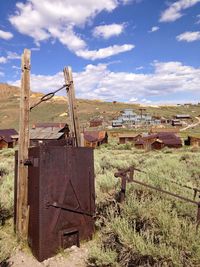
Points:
[127,146]
[7,193]
[8,241]
[7,152]
[7,237]
[4,169]
[100,257]
[150,228]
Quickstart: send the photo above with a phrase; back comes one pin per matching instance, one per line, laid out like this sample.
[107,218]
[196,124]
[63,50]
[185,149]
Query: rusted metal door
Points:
[61,198]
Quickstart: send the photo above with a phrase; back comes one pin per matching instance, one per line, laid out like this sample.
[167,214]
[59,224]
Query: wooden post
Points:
[22,210]
[75,131]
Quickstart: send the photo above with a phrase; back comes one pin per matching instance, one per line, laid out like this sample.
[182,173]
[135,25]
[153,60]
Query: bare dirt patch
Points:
[72,257]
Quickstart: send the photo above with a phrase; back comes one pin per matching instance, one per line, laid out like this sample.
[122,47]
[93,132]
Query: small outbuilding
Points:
[94,138]
[132,138]
[45,135]
[193,141]
[164,129]
[96,122]
[159,141]
[183,116]
[8,138]
[157,144]
[177,122]
[53,126]
[117,123]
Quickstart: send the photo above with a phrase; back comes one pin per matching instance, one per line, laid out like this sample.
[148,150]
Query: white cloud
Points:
[154,29]
[107,31]
[10,56]
[3,60]
[35,49]
[13,55]
[2,74]
[57,20]
[174,11]
[133,99]
[189,36]
[146,101]
[68,37]
[104,52]
[98,82]
[125,2]
[16,67]
[139,68]
[6,35]
[47,19]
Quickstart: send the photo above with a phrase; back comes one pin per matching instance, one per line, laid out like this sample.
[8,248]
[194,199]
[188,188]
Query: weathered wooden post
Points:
[126,175]
[22,209]
[72,105]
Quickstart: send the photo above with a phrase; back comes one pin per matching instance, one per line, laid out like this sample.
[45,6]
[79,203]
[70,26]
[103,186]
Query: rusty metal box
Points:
[61,196]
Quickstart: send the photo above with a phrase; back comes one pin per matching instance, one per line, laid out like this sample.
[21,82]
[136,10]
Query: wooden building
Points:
[96,122]
[159,141]
[183,116]
[8,138]
[125,138]
[193,141]
[45,135]
[94,138]
[53,126]
[157,144]
[164,129]
[176,122]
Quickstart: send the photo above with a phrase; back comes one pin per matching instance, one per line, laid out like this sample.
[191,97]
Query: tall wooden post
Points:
[75,130]
[22,211]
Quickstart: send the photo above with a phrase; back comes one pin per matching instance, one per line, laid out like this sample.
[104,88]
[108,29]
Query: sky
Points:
[135,51]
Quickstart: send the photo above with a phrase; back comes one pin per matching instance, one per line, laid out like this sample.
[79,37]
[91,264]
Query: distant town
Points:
[160,131]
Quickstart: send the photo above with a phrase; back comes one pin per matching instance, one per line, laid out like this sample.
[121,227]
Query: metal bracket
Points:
[28,162]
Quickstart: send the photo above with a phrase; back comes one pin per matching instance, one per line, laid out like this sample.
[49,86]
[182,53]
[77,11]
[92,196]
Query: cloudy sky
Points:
[145,51]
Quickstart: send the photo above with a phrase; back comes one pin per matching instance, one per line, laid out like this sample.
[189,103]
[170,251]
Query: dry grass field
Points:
[149,228]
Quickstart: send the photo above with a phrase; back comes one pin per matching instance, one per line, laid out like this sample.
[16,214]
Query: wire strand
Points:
[49,96]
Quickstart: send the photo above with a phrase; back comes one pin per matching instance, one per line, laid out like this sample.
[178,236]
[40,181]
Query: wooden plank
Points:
[22,183]
[74,123]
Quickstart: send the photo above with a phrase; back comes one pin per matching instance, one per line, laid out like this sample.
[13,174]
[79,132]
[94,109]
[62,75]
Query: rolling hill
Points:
[55,110]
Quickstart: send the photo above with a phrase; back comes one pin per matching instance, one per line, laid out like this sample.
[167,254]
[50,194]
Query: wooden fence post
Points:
[72,105]
[22,210]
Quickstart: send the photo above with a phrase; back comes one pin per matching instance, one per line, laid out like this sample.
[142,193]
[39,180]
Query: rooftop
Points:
[45,133]
[7,134]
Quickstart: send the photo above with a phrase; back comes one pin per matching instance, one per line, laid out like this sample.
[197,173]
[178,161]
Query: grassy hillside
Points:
[55,110]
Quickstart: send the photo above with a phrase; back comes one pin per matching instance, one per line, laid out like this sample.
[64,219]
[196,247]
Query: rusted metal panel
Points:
[61,197]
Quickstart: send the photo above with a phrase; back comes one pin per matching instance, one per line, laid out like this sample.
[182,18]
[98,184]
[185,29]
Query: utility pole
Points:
[22,209]
[75,130]
[141,112]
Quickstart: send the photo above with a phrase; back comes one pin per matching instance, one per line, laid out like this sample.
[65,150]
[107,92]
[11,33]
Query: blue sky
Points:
[125,50]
